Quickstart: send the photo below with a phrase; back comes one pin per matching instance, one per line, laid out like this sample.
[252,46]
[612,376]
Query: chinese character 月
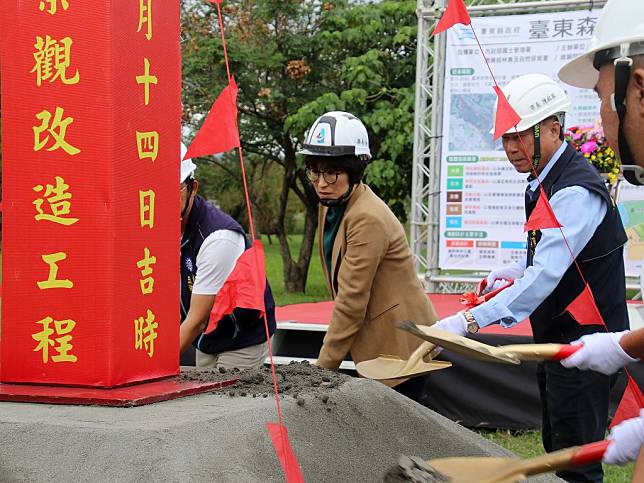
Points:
[57,199]
[56,130]
[145,17]
[52,60]
[147,283]
[60,344]
[53,5]
[145,333]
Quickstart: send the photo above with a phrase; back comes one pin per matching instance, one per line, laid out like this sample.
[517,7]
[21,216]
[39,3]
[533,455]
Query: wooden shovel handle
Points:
[566,458]
[540,352]
[565,351]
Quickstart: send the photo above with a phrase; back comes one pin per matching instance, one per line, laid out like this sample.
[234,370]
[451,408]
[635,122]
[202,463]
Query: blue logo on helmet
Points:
[321,136]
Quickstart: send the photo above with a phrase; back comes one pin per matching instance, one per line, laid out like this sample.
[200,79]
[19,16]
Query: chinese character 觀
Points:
[52,59]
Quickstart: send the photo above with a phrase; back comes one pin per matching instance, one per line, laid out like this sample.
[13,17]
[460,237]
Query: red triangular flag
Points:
[218,133]
[584,309]
[456,12]
[285,453]
[542,216]
[244,287]
[506,116]
[631,403]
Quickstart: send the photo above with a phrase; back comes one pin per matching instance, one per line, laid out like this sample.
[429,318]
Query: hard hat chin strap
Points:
[190,185]
[622,78]
[338,201]
[537,146]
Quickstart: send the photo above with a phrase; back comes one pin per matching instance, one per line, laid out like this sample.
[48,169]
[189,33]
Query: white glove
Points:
[601,352]
[456,324]
[507,274]
[626,440]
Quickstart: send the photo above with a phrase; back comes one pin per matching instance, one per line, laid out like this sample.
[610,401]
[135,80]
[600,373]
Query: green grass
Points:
[525,444]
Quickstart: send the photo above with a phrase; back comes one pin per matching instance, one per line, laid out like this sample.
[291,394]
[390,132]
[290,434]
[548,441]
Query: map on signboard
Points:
[632,213]
[471,122]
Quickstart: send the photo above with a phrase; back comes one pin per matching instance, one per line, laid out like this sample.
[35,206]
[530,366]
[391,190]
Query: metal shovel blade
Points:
[458,344]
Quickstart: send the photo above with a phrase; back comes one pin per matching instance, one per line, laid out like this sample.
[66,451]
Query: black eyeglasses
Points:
[330,177]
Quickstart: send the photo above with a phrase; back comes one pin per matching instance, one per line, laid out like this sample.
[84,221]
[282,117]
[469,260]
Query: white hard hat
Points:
[337,133]
[621,24]
[187,166]
[535,97]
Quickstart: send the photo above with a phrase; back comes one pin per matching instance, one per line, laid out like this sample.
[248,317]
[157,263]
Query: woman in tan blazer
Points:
[366,260]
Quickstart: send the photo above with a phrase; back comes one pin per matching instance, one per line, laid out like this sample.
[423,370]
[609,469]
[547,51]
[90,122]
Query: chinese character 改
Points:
[60,344]
[145,17]
[52,282]
[146,79]
[145,331]
[57,130]
[53,5]
[58,200]
[52,59]
[147,144]
[147,283]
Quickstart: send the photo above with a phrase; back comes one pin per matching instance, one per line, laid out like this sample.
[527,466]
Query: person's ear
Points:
[637,83]
[195,187]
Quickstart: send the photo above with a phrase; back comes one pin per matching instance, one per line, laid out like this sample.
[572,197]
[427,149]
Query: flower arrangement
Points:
[590,141]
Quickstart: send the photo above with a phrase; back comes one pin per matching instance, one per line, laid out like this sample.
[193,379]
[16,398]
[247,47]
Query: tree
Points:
[293,60]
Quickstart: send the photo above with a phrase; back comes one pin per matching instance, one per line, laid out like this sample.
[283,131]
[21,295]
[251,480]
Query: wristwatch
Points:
[472,326]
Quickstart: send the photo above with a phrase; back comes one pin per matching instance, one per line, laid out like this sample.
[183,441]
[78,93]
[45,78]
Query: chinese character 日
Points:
[57,198]
[145,333]
[57,130]
[52,60]
[61,328]
[146,208]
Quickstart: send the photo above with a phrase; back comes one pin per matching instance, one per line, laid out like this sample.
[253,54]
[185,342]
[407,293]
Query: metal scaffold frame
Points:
[428,119]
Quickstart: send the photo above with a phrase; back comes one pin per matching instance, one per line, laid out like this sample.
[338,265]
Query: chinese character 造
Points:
[539,29]
[147,283]
[146,208]
[562,28]
[52,282]
[145,17]
[57,197]
[53,5]
[52,60]
[147,144]
[57,130]
[61,328]
[146,79]
[145,333]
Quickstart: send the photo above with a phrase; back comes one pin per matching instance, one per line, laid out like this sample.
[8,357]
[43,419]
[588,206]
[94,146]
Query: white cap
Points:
[535,97]
[337,133]
[620,24]
[187,166]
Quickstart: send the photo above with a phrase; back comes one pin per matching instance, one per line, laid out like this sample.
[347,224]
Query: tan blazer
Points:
[373,283]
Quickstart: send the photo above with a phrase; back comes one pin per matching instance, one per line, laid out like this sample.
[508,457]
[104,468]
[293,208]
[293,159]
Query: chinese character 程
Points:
[562,28]
[539,29]
[146,79]
[56,130]
[147,144]
[53,5]
[57,198]
[52,282]
[60,344]
[147,283]
[145,17]
[146,208]
[145,331]
[52,60]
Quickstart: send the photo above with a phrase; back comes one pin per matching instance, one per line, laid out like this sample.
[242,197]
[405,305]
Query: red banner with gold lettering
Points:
[90,147]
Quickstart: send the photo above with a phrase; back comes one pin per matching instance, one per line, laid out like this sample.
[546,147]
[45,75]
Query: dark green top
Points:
[331,225]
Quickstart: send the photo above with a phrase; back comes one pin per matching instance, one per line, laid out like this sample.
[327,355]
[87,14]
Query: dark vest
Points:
[242,328]
[601,261]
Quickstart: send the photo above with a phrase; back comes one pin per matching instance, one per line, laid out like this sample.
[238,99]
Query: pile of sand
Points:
[215,437]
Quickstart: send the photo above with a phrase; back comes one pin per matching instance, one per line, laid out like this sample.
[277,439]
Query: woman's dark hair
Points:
[354,166]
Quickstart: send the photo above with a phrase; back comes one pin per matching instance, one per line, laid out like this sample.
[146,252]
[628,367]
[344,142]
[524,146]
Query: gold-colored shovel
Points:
[392,367]
[508,354]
